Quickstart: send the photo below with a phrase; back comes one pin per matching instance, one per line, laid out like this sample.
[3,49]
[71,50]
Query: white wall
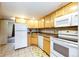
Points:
[3,31]
[10,27]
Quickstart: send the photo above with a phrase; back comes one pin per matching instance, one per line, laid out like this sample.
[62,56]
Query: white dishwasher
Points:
[40,41]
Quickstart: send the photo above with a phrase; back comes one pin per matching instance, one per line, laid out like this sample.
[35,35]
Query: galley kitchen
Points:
[39,29]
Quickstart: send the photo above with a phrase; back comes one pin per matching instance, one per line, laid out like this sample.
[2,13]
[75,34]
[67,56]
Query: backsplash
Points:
[51,31]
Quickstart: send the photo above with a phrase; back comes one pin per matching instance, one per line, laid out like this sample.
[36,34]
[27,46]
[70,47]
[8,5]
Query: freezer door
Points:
[19,26]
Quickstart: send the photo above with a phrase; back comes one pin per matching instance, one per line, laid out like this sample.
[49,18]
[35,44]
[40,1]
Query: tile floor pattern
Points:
[31,51]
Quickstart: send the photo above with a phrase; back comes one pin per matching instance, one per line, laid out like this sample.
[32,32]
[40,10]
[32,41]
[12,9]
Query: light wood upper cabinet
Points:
[20,20]
[60,12]
[41,23]
[32,23]
[53,16]
[67,9]
[35,23]
[70,8]
[29,23]
[48,22]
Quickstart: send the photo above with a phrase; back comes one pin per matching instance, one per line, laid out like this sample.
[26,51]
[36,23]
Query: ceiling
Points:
[28,9]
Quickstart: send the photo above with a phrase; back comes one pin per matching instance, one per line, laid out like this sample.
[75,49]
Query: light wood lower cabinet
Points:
[33,39]
[29,41]
[46,45]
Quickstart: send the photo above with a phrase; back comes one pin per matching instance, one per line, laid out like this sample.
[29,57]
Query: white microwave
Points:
[75,19]
[63,21]
[63,48]
[67,20]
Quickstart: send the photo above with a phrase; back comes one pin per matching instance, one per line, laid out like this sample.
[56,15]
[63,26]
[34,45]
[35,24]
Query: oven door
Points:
[64,49]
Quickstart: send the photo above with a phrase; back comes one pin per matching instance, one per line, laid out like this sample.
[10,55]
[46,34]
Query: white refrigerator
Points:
[20,35]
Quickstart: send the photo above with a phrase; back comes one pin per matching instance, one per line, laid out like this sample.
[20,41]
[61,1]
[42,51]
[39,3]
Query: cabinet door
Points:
[53,16]
[46,45]
[29,23]
[41,23]
[20,20]
[48,21]
[32,23]
[60,12]
[33,39]
[29,40]
[70,8]
[35,23]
